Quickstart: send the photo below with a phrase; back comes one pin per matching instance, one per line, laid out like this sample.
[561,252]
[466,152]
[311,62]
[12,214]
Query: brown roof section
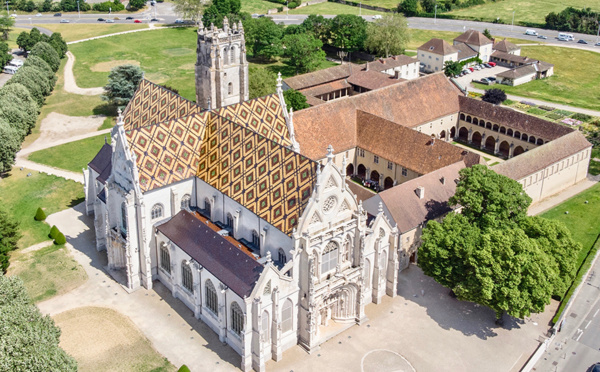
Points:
[518,72]
[407,147]
[313,101]
[465,52]
[325,88]
[372,79]
[322,76]
[505,46]
[473,37]
[438,46]
[516,120]
[409,103]
[513,58]
[406,209]
[383,64]
[362,193]
[216,254]
[541,157]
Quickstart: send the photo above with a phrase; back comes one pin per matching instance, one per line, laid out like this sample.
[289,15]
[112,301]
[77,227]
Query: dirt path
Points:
[71,85]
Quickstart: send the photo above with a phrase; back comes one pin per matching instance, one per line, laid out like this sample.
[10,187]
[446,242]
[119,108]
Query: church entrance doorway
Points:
[362,171]
[388,183]
[375,176]
[339,306]
[350,169]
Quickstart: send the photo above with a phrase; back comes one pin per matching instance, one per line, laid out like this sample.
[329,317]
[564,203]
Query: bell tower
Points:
[221,67]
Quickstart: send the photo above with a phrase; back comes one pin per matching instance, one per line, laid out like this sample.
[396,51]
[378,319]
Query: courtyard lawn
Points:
[73,32]
[331,9]
[71,156]
[532,11]
[102,339]
[47,272]
[21,196]
[575,81]
[583,220]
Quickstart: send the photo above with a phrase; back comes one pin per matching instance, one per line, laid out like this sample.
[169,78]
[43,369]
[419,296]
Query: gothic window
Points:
[124,219]
[229,220]
[212,303]
[404,172]
[361,153]
[264,334]
[186,277]
[255,239]
[156,212]
[286,316]
[375,159]
[329,258]
[165,259]
[226,56]
[230,88]
[185,202]
[237,318]
[347,250]
[282,258]
[207,206]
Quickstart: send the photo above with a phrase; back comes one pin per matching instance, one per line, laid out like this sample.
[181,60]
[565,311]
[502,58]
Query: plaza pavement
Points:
[423,327]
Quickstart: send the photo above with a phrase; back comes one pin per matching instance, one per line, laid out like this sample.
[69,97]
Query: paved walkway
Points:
[71,84]
[554,200]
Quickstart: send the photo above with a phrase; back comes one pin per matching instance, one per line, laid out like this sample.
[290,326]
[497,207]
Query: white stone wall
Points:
[434,62]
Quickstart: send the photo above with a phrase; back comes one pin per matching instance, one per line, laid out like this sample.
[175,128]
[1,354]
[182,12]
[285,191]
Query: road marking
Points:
[596,313]
[587,325]
[580,334]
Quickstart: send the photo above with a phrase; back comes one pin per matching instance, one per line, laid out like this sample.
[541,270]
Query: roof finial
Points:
[200,26]
[208,103]
[344,163]
[225,24]
[279,84]
[120,117]
[330,155]
[269,259]
[105,140]
[380,208]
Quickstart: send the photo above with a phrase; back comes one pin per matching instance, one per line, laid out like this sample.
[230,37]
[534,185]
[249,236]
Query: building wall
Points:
[518,81]
[407,72]
[439,127]
[434,62]
[396,172]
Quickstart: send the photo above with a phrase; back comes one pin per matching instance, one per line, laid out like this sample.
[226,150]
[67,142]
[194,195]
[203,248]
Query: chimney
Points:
[432,139]
[382,60]
[367,66]
[420,192]
[443,180]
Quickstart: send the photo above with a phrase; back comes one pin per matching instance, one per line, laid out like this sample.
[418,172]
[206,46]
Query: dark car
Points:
[154,20]
[129,18]
[101,19]
[595,368]
[58,14]
[581,41]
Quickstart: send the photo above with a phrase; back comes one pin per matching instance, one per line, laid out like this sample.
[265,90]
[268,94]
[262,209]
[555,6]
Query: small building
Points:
[476,41]
[401,66]
[505,46]
[511,60]
[435,53]
[524,74]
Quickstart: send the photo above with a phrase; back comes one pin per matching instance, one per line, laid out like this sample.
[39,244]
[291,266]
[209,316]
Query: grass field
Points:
[21,196]
[331,9]
[258,6]
[102,339]
[525,11]
[575,81]
[71,156]
[47,272]
[73,32]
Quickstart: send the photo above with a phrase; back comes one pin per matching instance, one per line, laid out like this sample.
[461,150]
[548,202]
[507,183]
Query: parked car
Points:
[581,41]
[491,78]
[101,19]
[15,62]
[38,15]
[472,69]
[377,16]
[10,70]
[137,21]
[58,14]
[129,18]
[598,43]
[64,21]
[493,64]
[154,20]
[542,37]
[110,21]
[487,65]
[14,15]
[179,21]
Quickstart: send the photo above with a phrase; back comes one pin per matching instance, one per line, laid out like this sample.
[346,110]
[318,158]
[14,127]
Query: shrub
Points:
[46,52]
[114,6]
[554,116]
[60,239]
[54,232]
[35,90]
[547,108]
[536,111]
[581,117]
[40,215]
[43,66]
[563,112]
[495,96]
[183,368]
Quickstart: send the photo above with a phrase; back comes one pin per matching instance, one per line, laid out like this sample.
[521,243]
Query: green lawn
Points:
[71,156]
[73,31]
[331,9]
[258,6]
[575,81]
[21,196]
[525,11]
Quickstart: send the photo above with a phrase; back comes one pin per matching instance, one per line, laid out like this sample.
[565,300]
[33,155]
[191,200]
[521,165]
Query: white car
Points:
[64,21]
[38,15]
[377,16]
[14,15]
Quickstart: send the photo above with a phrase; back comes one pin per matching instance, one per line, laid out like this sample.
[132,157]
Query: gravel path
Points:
[71,85]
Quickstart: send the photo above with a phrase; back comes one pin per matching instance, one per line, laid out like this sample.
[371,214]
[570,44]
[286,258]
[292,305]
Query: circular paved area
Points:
[381,360]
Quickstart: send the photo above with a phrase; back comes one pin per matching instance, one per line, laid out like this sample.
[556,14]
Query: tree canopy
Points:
[494,95]
[28,341]
[261,83]
[263,38]
[318,26]
[5,55]
[46,52]
[304,51]
[387,35]
[348,32]
[10,138]
[190,9]
[410,8]
[295,99]
[9,237]
[6,24]
[122,83]
[491,253]
[452,68]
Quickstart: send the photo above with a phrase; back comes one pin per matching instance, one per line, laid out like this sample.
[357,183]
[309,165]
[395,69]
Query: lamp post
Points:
[435,14]
[287,10]
[360,9]
[7,11]
[513,21]
[78,9]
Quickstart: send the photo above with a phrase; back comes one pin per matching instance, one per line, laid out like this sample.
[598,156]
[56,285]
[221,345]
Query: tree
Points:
[495,96]
[46,6]
[24,41]
[123,81]
[9,237]
[263,38]
[6,24]
[318,25]
[452,68]
[35,90]
[21,97]
[11,143]
[40,215]
[410,8]
[136,4]
[262,82]
[487,34]
[60,239]
[43,66]
[304,52]
[348,32]
[16,117]
[47,53]
[428,6]
[190,9]
[5,55]
[53,232]
[59,44]
[388,35]
[219,9]
[29,341]
[295,99]
[39,76]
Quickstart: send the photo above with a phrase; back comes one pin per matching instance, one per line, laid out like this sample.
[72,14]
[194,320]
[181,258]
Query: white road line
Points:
[580,334]
[587,325]
[596,313]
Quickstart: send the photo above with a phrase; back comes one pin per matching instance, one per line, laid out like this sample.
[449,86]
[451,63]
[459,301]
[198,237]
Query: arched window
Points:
[264,334]
[187,280]
[185,202]
[156,212]
[165,259]
[329,258]
[124,219]
[229,220]
[212,302]
[237,318]
[282,258]
[348,250]
[226,56]
[367,274]
[207,206]
[462,116]
[255,239]
[230,88]
[382,259]
[286,316]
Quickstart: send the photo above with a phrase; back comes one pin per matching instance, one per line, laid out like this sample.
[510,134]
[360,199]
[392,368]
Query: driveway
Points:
[465,80]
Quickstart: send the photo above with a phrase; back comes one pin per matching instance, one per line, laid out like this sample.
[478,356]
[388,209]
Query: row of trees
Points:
[5,26]
[575,20]
[492,253]
[71,5]
[414,8]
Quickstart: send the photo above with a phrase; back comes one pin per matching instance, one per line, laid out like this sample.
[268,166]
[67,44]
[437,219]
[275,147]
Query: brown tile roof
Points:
[325,88]
[541,157]
[322,76]
[513,58]
[510,118]
[383,64]
[313,101]
[438,46]
[403,206]
[362,193]
[465,52]
[409,103]
[407,147]
[505,46]
[473,37]
[216,254]
[518,72]
[372,79]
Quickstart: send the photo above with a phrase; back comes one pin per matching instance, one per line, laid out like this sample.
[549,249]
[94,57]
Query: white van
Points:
[531,32]
[565,37]
[16,62]
[10,70]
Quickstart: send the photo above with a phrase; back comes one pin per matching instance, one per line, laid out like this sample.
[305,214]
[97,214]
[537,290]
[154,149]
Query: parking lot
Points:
[465,80]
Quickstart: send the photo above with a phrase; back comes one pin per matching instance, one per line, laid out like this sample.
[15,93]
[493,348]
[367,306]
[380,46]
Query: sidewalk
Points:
[568,193]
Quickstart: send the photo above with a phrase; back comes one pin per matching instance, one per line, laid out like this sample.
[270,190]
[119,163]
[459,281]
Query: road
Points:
[577,346]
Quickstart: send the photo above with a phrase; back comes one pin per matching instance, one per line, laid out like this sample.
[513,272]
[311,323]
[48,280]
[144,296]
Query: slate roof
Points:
[541,157]
[236,269]
[322,76]
[505,46]
[408,103]
[413,150]
[438,46]
[516,120]
[473,37]
[402,205]
[102,163]
[372,80]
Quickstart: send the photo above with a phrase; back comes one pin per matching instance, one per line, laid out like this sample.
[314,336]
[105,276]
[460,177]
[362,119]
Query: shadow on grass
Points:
[76,201]
[105,109]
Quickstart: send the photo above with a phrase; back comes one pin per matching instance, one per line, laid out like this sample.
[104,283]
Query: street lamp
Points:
[435,14]
[287,10]
[78,9]
[513,21]
[360,9]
